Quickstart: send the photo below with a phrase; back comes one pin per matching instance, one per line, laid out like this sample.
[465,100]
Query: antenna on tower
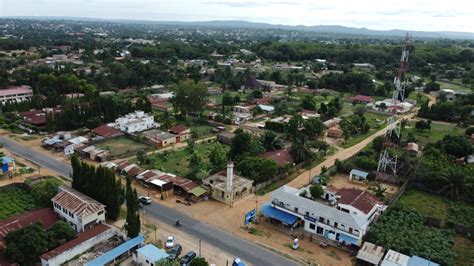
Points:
[387,162]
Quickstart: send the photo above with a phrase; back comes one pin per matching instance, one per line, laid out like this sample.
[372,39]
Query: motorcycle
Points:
[323,244]
[177,223]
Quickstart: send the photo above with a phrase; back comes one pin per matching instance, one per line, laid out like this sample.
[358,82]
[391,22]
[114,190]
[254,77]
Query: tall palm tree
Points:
[458,184]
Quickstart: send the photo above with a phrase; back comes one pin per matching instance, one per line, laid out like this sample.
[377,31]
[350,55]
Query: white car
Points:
[169,242]
[144,200]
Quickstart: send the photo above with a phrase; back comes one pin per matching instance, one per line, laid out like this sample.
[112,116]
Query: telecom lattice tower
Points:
[394,128]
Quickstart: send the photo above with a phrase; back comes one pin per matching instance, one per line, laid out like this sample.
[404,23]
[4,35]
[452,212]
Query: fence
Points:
[398,194]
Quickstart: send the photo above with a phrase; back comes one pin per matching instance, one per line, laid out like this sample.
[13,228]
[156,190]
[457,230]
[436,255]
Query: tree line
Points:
[98,183]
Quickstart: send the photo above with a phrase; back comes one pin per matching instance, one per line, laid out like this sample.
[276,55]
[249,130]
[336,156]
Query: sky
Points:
[425,15]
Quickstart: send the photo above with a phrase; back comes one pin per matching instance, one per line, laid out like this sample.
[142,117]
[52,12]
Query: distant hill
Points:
[258,25]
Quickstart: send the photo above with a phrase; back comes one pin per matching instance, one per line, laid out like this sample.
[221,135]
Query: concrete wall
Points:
[81,248]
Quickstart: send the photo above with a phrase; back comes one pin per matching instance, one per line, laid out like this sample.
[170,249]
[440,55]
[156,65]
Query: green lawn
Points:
[418,97]
[177,161]
[376,122]
[432,205]
[15,201]
[121,145]
[437,132]
[455,87]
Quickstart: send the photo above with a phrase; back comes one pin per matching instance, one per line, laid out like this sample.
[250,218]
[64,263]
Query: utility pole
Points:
[199,247]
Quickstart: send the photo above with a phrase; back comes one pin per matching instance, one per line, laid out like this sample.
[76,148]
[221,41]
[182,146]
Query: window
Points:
[335,224]
[296,209]
[312,226]
[345,210]
[307,213]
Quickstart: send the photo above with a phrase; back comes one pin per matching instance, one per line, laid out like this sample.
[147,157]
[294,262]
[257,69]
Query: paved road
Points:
[229,243]
[36,157]
[225,241]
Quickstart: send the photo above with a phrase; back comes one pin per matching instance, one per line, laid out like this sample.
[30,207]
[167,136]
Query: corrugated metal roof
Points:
[76,202]
[116,252]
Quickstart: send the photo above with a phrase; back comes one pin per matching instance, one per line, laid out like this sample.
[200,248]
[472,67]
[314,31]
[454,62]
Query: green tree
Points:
[316,191]
[166,262]
[199,261]
[44,191]
[313,127]
[244,144]
[25,245]
[270,141]
[217,158]
[61,231]
[458,183]
[457,146]
[189,97]
[132,223]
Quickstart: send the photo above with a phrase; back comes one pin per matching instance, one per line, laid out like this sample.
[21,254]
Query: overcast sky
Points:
[429,15]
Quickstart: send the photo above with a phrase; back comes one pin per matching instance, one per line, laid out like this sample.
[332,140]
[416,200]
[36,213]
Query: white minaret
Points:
[230,176]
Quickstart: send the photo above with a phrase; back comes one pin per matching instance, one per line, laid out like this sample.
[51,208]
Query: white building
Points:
[135,122]
[149,255]
[80,211]
[16,94]
[345,220]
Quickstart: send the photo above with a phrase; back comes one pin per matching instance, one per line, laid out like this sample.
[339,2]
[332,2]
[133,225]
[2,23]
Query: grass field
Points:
[432,205]
[14,201]
[418,97]
[376,122]
[437,132]
[455,87]
[121,145]
[177,161]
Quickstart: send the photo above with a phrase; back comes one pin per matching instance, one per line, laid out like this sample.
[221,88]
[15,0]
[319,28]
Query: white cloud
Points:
[432,15]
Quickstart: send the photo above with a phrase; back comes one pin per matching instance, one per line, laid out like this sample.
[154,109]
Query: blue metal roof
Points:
[268,211]
[6,159]
[359,173]
[153,253]
[418,261]
[116,252]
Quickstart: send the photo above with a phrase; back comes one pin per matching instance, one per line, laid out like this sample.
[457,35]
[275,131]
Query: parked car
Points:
[186,260]
[169,242]
[175,252]
[144,200]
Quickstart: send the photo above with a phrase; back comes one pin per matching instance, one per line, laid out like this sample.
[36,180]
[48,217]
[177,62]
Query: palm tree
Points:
[271,141]
[458,184]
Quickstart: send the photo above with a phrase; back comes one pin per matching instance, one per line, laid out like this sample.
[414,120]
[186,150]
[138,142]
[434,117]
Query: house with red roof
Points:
[281,157]
[79,210]
[46,216]
[361,99]
[106,132]
[343,216]
[182,133]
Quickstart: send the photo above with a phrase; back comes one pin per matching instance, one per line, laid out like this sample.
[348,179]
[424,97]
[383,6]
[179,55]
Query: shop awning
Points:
[271,212]
[198,191]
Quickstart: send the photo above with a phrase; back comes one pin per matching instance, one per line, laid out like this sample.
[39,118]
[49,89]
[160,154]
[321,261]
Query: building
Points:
[364,66]
[335,132]
[370,254]
[16,94]
[250,84]
[358,175]
[345,220]
[160,138]
[281,157]
[45,216]
[361,99]
[266,108]
[106,132]
[135,122]
[149,255]
[227,187]
[413,148]
[225,137]
[110,257]
[332,122]
[78,245]
[393,258]
[242,113]
[80,211]
[182,133]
